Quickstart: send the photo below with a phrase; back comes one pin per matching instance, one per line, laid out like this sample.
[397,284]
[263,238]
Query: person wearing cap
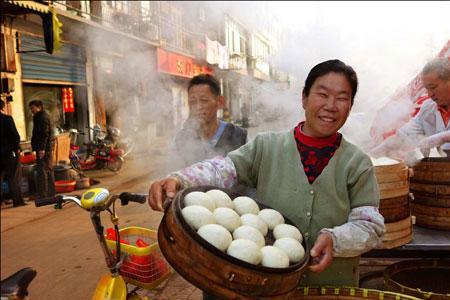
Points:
[203,135]
[311,174]
[431,126]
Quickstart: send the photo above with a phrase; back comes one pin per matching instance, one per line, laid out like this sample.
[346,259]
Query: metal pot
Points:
[61,172]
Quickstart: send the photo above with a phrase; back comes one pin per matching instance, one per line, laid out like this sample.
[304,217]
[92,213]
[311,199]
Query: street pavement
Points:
[62,246]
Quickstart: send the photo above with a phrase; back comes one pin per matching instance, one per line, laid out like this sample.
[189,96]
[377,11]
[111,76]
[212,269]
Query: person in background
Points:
[203,135]
[42,141]
[311,174]
[431,126]
[9,156]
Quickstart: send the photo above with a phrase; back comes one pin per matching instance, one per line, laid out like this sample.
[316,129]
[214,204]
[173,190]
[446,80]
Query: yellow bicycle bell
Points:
[94,197]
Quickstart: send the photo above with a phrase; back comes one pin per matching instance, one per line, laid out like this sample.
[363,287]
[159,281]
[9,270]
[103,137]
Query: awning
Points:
[30,5]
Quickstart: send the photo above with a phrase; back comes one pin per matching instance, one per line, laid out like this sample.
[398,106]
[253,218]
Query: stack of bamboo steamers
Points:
[422,191]
[393,183]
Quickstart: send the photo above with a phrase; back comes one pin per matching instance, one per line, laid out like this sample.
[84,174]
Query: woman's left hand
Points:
[322,253]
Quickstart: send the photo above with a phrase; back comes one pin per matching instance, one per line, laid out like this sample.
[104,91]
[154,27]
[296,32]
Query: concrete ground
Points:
[62,246]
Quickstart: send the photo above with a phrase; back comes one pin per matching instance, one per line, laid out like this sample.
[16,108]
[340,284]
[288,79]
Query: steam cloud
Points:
[387,43]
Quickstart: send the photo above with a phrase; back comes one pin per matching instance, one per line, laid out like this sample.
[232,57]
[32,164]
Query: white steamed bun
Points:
[256,222]
[199,198]
[273,257]
[286,230]
[245,250]
[249,233]
[227,217]
[292,248]
[245,205]
[197,216]
[220,198]
[216,235]
[271,217]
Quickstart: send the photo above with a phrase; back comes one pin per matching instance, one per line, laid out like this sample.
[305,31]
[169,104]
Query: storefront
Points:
[58,80]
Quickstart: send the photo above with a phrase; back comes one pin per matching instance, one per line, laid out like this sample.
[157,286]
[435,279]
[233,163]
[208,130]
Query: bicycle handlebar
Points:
[126,197]
[48,201]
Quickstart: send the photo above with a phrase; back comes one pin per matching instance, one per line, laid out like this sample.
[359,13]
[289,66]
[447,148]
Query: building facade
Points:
[126,63]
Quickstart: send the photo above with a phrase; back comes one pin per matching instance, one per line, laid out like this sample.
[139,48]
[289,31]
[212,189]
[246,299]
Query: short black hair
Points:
[2,104]
[37,103]
[335,66]
[213,83]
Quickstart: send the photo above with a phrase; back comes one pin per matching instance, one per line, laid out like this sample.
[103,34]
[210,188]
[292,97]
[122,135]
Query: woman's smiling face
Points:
[327,106]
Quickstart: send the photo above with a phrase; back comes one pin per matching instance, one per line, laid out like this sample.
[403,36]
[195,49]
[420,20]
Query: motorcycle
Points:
[100,155]
[113,136]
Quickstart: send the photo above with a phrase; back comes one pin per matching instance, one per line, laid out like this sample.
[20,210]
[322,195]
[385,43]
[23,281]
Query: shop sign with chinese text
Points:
[67,100]
[179,65]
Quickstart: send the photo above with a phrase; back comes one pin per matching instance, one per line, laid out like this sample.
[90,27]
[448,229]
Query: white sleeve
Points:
[362,232]
[413,128]
[219,171]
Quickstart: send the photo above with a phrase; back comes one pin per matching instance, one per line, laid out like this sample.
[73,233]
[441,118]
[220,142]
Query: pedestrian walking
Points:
[9,157]
[42,141]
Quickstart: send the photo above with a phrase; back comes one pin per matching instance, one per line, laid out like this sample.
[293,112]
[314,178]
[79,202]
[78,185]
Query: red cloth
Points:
[315,153]
[445,115]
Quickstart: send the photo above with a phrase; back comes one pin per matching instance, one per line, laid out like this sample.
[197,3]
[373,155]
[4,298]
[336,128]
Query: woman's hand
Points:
[322,253]
[160,190]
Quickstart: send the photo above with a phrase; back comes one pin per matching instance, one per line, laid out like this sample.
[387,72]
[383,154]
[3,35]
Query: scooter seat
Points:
[17,283]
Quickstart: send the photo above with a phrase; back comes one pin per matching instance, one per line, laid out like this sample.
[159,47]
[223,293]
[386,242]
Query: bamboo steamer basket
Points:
[430,186]
[346,293]
[212,270]
[397,234]
[422,278]
[393,183]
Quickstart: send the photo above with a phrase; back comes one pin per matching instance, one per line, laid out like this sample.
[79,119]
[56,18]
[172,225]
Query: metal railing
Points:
[142,25]
[148,24]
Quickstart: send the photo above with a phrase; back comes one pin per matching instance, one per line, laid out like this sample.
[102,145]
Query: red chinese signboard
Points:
[67,100]
[179,65]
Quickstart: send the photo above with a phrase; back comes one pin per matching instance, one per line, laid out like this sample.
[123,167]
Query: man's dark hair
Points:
[213,83]
[37,103]
[2,104]
[335,66]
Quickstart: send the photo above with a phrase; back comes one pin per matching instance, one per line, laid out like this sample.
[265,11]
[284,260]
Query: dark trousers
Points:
[45,181]
[10,169]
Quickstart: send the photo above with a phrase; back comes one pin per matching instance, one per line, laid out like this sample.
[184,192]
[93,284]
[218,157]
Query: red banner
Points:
[179,65]
[67,100]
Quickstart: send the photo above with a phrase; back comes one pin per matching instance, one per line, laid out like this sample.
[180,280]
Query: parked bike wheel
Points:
[115,165]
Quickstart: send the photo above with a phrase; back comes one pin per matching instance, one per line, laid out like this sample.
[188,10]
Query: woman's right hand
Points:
[160,190]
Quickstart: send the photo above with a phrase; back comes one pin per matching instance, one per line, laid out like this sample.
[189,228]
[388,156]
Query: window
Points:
[242,45]
[145,11]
